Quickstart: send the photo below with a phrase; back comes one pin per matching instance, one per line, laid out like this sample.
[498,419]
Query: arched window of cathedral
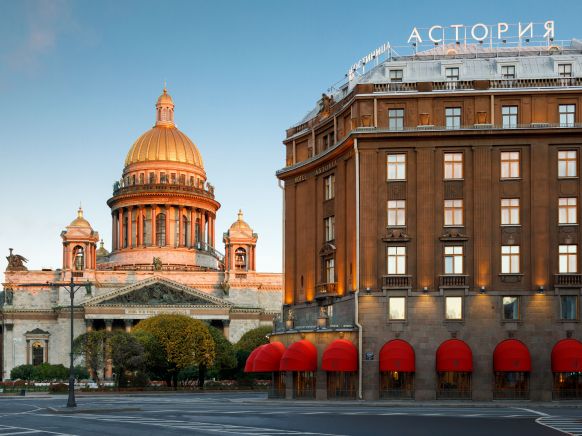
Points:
[240,259]
[37,354]
[79,258]
[161,229]
[186,231]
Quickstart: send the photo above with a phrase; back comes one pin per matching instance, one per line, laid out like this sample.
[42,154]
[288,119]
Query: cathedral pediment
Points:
[157,291]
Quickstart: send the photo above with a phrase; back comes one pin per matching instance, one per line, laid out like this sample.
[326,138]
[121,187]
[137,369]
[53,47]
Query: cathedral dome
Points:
[240,228]
[80,221]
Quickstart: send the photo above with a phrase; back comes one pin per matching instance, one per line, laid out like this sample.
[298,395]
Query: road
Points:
[251,414]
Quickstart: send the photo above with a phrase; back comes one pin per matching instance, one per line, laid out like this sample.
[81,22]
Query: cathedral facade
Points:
[163,260]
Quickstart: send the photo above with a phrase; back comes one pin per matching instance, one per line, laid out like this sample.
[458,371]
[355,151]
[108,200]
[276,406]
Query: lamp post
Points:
[72,290]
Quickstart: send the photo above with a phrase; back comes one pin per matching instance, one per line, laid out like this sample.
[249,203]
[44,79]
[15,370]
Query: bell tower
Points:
[79,246]
[239,246]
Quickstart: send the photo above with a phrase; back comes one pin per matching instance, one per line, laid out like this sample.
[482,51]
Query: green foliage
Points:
[40,373]
[127,354]
[188,376]
[253,339]
[22,372]
[91,346]
[156,365]
[81,372]
[225,354]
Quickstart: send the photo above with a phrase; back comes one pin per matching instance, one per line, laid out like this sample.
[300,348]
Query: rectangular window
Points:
[397,308]
[510,308]
[565,70]
[173,178]
[452,74]
[509,116]
[567,210]
[568,259]
[453,118]
[396,75]
[396,260]
[453,212]
[454,308]
[508,71]
[330,270]
[567,115]
[454,259]
[396,119]
[329,187]
[567,163]
[453,166]
[396,213]
[182,179]
[152,178]
[569,307]
[509,164]
[163,178]
[329,228]
[396,167]
[510,259]
[509,211]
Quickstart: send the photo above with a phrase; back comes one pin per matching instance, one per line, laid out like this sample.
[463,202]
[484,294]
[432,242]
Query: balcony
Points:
[396,282]
[454,281]
[122,187]
[568,280]
[323,290]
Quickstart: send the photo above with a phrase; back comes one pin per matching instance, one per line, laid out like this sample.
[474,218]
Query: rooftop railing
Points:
[122,187]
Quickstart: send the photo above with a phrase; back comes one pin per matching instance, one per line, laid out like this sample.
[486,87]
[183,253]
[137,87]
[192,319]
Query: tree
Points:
[45,372]
[127,354]
[225,353]
[91,346]
[155,363]
[247,343]
[22,372]
[185,341]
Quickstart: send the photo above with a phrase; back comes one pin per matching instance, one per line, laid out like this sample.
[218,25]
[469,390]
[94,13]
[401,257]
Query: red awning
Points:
[300,356]
[251,359]
[340,356]
[511,355]
[269,357]
[397,355]
[567,356]
[454,355]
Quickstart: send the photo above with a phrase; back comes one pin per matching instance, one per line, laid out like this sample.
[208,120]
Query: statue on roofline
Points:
[16,262]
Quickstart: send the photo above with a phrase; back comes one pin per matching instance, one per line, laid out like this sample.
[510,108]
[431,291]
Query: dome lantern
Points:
[165,110]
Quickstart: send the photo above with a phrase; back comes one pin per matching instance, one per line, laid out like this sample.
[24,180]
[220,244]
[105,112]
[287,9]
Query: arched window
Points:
[37,354]
[79,258]
[161,229]
[240,258]
[185,231]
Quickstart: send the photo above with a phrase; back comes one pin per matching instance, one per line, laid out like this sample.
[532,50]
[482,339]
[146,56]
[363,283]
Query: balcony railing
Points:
[396,281]
[454,281]
[568,280]
[325,289]
[120,188]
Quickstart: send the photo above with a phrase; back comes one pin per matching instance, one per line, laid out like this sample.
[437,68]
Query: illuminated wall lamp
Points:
[540,290]
[368,291]
[482,290]
[425,290]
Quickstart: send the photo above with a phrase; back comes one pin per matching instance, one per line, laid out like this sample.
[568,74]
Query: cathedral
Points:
[163,259]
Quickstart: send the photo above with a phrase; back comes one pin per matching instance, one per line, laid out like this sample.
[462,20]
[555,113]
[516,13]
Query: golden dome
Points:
[80,221]
[165,98]
[240,226]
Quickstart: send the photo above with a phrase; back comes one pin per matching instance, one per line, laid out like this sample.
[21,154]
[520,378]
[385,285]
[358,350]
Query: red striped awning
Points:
[567,356]
[511,355]
[300,356]
[397,355]
[251,359]
[340,356]
[454,355]
[268,358]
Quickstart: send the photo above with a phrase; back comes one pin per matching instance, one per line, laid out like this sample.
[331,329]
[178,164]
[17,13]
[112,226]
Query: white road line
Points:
[571,426]
[532,411]
[11,430]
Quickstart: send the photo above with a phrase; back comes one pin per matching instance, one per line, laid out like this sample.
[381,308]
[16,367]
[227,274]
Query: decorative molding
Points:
[396,235]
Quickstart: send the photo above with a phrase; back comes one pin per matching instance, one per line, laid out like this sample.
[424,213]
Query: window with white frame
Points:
[510,259]
[329,187]
[508,71]
[509,211]
[453,118]
[397,167]
[510,308]
[396,75]
[453,212]
[567,115]
[452,74]
[568,259]
[397,308]
[329,228]
[567,163]
[396,213]
[510,164]
[509,117]
[567,210]
[396,119]
[330,270]
[396,260]
[454,308]
[565,70]
[453,165]
[454,259]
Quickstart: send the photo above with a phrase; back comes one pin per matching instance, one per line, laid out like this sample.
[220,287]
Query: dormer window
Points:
[396,75]
[452,74]
[565,70]
[508,71]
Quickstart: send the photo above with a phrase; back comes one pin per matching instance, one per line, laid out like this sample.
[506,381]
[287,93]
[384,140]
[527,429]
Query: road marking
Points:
[23,430]
[532,411]
[571,426]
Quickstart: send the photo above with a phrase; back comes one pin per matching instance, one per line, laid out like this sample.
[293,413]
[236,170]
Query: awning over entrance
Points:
[340,356]
[268,358]
[567,356]
[300,356]
[511,355]
[251,359]
[454,355]
[397,355]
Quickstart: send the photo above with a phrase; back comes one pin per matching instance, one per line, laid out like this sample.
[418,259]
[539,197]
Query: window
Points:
[453,165]
[454,259]
[508,71]
[152,178]
[37,354]
[452,73]
[163,178]
[567,115]
[396,213]
[567,163]
[509,211]
[567,210]
[453,212]
[141,178]
[510,308]
[568,259]
[396,167]
[161,229]
[330,270]
[453,118]
[569,307]
[565,70]
[396,260]
[397,308]
[509,259]
[454,308]
[509,116]
[173,178]
[396,75]
[329,228]
[509,164]
[396,119]
[329,187]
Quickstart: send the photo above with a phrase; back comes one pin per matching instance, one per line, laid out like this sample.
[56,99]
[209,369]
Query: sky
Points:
[79,81]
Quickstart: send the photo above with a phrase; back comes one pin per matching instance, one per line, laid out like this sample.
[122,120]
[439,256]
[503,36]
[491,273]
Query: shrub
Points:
[58,388]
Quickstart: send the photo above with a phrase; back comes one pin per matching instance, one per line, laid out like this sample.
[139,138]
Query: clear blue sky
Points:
[79,79]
